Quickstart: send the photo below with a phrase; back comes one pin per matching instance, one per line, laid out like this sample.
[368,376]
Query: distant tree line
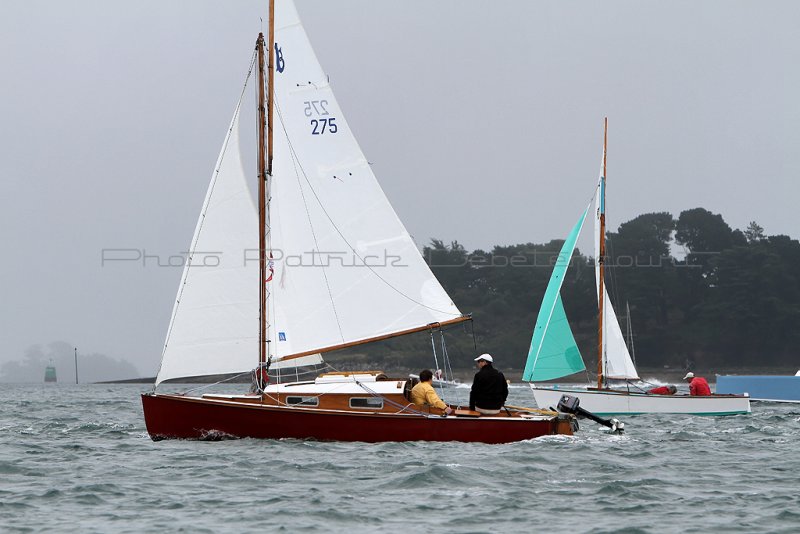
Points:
[732,300]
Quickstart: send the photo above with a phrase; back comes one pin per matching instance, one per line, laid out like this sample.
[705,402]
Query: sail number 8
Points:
[323,123]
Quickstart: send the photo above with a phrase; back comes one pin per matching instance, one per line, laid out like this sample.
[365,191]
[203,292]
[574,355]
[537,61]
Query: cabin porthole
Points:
[366,403]
[302,401]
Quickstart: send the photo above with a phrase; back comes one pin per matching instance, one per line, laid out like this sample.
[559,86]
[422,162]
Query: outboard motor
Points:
[570,404]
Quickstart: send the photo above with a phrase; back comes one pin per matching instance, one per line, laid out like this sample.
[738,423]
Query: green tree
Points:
[754,232]
[702,231]
[753,307]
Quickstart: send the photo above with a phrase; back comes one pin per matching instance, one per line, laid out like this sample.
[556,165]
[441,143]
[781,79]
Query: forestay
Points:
[343,268]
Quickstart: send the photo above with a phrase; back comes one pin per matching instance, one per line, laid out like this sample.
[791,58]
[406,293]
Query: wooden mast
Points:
[264,173]
[601,262]
[262,208]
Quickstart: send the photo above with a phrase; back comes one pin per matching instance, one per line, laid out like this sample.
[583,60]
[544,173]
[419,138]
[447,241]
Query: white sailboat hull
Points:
[624,403]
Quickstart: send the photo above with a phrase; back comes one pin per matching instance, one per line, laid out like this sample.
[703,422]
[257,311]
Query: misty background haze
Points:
[483,122]
[91,367]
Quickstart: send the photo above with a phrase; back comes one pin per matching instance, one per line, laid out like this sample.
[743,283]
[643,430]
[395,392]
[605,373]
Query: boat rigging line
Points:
[206,386]
[448,368]
[436,360]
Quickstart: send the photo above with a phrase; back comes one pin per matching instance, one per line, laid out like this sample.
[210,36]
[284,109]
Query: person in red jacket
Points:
[663,390]
[698,386]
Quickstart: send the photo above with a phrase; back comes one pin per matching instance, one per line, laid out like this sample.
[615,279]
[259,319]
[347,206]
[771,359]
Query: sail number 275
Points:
[322,122]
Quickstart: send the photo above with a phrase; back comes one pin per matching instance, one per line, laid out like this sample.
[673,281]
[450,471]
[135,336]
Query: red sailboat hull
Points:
[172,416]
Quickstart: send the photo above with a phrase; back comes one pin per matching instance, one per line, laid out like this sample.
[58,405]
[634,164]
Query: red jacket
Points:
[699,387]
[663,390]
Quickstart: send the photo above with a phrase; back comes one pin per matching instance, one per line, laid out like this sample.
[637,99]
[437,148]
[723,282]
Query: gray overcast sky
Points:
[483,121]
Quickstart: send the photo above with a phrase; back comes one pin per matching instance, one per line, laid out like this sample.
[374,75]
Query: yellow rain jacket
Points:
[423,393]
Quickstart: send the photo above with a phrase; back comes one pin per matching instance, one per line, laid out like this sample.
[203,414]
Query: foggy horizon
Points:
[115,114]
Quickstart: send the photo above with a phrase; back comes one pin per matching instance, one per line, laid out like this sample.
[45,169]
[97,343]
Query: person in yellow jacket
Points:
[423,393]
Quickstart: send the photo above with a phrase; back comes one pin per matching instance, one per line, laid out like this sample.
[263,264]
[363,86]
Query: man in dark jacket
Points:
[489,387]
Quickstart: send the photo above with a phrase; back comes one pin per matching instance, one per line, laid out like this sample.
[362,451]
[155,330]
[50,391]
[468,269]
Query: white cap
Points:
[688,375]
[487,357]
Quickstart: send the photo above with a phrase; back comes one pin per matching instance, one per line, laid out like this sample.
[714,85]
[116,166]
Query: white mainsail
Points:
[359,273]
[344,268]
[617,362]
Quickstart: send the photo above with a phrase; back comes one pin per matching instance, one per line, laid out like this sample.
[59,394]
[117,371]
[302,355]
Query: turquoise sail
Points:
[553,351]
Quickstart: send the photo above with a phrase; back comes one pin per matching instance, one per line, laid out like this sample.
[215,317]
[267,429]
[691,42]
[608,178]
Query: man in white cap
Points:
[489,387]
[698,386]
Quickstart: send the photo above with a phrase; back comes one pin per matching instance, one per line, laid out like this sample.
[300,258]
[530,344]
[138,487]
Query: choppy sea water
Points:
[78,459]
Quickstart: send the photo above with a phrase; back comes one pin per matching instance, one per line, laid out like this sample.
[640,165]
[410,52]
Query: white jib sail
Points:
[617,363]
[214,326]
[344,268]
